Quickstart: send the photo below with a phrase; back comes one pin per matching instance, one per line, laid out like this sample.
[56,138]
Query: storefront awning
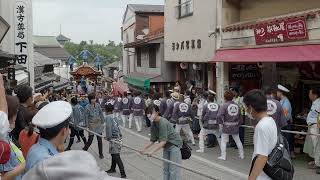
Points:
[142,83]
[301,53]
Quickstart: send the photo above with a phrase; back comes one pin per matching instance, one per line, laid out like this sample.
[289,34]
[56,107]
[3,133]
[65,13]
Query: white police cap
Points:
[52,114]
[282,88]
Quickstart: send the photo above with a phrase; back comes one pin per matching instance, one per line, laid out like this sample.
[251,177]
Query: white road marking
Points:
[195,157]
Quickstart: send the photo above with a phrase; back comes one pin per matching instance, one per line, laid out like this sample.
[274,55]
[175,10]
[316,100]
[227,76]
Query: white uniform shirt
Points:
[265,139]
[314,112]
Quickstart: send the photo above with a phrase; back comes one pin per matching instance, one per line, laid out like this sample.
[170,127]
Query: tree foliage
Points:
[111,51]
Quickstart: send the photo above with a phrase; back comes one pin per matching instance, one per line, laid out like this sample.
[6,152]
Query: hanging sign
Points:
[281,31]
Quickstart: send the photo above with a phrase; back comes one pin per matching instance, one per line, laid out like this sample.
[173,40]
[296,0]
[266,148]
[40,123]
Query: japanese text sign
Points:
[281,31]
[21,32]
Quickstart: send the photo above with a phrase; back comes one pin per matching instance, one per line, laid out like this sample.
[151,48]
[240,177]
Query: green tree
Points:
[110,52]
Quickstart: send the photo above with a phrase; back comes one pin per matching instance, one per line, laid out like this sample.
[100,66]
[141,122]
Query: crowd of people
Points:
[34,128]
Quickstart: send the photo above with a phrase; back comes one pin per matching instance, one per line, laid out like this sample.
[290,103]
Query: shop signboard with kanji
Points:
[23,30]
[281,31]
[244,72]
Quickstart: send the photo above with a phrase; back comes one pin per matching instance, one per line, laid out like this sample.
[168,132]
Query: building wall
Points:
[128,35]
[142,22]
[145,68]
[255,9]
[230,14]
[190,28]
[156,23]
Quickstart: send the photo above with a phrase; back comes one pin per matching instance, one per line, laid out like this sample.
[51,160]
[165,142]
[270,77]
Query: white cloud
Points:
[98,20]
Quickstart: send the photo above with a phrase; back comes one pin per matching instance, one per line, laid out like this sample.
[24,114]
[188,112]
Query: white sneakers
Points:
[200,151]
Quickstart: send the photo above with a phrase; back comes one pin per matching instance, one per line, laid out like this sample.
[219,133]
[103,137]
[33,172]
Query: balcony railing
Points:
[184,9]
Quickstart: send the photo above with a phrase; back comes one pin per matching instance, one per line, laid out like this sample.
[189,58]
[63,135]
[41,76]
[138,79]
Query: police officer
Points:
[53,123]
[287,110]
[138,106]
[209,121]
[182,114]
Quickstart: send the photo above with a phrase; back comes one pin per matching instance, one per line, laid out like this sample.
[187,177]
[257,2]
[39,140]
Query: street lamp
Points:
[4,28]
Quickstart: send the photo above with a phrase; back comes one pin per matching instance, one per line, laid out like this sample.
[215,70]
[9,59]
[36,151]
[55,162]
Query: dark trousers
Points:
[289,136]
[116,160]
[148,122]
[89,142]
[211,139]
[241,130]
[78,133]
[195,126]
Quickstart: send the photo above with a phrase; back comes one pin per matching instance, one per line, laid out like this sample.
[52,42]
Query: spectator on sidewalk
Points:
[70,165]
[114,136]
[312,118]
[94,120]
[229,119]
[24,117]
[265,132]
[169,140]
[53,123]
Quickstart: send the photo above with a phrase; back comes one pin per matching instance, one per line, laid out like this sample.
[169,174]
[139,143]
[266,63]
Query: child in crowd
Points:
[114,136]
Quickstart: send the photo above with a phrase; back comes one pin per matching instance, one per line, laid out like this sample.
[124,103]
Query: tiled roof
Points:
[45,41]
[57,53]
[145,8]
[62,38]
[41,60]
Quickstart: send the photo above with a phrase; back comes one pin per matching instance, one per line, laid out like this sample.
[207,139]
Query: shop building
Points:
[189,41]
[143,62]
[267,43]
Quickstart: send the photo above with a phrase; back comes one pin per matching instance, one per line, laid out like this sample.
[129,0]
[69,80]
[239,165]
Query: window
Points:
[184,9]
[152,57]
[138,57]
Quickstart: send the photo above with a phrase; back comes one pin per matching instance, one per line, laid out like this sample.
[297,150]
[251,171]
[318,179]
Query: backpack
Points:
[185,151]
[279,165]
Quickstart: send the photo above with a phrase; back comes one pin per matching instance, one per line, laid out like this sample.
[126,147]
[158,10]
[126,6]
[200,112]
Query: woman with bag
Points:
[169,140]
[94,120]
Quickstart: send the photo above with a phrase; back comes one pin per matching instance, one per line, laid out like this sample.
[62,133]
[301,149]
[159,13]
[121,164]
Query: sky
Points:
[97,20]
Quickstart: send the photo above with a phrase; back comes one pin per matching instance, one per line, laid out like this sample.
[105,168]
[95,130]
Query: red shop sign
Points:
[281,31]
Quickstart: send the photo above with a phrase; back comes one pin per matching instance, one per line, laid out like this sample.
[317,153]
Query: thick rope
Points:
[155,157]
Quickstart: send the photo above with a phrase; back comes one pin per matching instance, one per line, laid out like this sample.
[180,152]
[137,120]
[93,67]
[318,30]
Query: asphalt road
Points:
[144,168]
